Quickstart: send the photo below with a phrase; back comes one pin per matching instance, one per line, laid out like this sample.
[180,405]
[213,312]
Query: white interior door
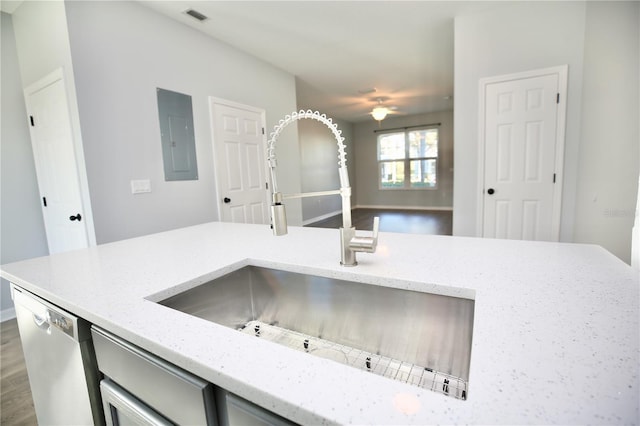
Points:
[56,169]
[522,158]
[238,142]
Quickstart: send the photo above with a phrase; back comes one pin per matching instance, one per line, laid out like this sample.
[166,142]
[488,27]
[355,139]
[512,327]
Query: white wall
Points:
[319,167]
[22,233]
[610,136]
[42,42]
[368,193]
[520,37]
[121,52]
[600,43]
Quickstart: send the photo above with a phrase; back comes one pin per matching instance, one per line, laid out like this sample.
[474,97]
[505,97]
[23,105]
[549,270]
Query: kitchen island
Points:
[555,331]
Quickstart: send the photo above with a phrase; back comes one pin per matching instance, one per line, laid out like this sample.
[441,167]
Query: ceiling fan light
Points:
[379,113]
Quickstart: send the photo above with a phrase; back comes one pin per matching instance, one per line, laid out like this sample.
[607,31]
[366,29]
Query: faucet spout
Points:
[350,243]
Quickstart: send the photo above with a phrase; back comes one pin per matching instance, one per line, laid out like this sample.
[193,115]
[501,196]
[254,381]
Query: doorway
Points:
[240,162]
[522,122]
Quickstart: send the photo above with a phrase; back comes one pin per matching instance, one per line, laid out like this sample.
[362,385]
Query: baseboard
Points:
[322,217]
[7,314]
[425,208]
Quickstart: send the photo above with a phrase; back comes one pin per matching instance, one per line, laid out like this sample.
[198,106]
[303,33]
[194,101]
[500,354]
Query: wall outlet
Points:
[140,186]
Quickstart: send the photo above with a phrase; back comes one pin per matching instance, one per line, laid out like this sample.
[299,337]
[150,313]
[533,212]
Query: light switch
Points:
[140,186]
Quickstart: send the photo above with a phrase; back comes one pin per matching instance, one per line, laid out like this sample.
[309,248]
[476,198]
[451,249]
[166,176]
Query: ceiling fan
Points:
[380,111]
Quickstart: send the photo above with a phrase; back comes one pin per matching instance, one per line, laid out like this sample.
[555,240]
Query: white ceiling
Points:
[338,48]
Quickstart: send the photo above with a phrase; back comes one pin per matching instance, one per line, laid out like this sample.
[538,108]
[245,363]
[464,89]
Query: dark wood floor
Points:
[16,404]
[435,222]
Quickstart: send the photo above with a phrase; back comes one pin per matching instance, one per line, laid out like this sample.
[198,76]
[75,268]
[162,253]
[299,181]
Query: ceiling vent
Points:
[196,15]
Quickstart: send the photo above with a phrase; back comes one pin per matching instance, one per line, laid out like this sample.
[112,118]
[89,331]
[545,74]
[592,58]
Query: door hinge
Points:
[263,130]
[557,98]
[31,120]
[554,178]
[266,185]
[44,201]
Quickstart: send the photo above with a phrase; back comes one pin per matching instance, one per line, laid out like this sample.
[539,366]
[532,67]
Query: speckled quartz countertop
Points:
[555,335]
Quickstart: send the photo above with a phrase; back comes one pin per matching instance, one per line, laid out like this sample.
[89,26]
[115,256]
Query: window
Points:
[408,159]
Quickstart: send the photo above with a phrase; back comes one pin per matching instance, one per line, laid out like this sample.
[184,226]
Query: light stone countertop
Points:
[555,337]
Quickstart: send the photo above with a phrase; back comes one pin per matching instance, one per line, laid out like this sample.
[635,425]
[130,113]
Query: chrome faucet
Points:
[350,243]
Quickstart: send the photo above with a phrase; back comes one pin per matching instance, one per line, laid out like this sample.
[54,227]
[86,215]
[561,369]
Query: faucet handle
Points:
[366,244]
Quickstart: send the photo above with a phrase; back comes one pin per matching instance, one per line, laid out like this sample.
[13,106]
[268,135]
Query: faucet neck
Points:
[350,243]
[295,116]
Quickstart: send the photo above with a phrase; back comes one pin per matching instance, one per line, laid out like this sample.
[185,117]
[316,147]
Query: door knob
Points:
[490,191]
[76,217]
[227,200]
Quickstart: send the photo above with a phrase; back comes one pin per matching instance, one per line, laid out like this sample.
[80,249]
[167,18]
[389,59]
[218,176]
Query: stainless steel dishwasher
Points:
[61,365]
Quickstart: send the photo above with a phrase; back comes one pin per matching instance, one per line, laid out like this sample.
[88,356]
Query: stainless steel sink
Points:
[420,338]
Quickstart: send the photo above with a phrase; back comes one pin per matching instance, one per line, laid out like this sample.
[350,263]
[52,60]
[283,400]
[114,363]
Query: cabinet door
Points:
[122,408]
[171,391]
[235,411]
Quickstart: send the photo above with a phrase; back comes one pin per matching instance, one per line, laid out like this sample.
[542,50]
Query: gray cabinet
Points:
[235,411]
[140,388]
[138,382]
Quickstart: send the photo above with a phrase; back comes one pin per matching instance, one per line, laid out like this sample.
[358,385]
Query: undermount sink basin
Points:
[420,338]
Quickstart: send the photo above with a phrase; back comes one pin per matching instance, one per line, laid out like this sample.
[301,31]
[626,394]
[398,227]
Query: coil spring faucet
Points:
[350,244]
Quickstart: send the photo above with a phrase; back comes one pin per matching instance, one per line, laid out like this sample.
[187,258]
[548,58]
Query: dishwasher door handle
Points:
[42,322]
[39,320]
